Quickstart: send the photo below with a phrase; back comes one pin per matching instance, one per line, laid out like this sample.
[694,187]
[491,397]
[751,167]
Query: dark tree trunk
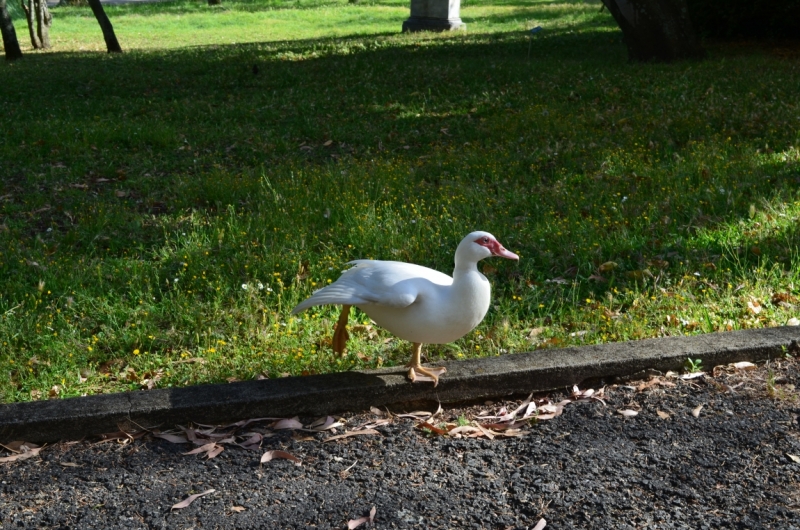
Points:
[112,44]
[39,22]
[10,42]
[30,15]
[656,30]
[214,2]
[43,22]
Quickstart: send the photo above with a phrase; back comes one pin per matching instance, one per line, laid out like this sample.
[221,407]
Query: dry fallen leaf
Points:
[744,365]
[275,454]
[754,307]
[238,509]
[292,423]
[355,523]
[211,450]
[174,438]
[351,433]
[68,464]
[794,458]
[540,525]
[696,410]
[663,415]
[190,499]
[628,413]
[29,453]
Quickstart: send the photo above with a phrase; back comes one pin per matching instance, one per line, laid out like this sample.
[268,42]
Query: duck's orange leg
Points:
[417,372]
[340,334]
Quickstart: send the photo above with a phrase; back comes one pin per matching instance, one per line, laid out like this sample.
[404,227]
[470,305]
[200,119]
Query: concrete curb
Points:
[494,377]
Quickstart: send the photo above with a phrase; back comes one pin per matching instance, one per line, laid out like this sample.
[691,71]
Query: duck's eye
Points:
[485,239]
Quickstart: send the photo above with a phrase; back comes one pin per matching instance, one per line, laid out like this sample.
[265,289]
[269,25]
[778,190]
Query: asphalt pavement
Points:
[662,450]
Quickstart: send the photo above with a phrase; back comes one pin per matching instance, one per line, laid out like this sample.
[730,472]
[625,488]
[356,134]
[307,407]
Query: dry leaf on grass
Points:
[351,433]
[355,523]
[190,499]
[277,454]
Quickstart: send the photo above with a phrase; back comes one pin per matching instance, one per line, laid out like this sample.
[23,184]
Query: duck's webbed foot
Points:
[417,372]
[340,334]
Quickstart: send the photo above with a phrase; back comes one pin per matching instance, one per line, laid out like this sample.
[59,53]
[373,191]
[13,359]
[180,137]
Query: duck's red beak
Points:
[496,248]
[501,251]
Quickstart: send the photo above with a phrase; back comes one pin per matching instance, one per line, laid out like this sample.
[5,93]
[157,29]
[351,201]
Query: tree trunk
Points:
[43,22]
[214,2]
[112,44]
[10,42]
[656,30]
[30,15]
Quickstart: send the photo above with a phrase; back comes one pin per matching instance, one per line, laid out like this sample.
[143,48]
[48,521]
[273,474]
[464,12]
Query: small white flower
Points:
[175,280]
[624,199]
[269,289]
[244,286]
[697,274]
[260,286]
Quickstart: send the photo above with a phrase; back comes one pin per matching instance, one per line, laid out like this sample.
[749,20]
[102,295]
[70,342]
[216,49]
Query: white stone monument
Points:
[434,15]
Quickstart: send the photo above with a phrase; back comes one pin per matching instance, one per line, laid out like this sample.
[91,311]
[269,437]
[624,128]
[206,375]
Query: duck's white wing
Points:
[387,283]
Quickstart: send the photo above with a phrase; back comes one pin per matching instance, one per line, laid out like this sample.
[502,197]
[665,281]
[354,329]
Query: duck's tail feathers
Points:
[330,295]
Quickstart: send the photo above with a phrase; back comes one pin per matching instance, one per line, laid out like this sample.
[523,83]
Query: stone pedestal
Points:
[434,15]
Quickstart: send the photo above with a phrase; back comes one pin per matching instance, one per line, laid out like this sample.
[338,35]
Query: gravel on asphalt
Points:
[735,463]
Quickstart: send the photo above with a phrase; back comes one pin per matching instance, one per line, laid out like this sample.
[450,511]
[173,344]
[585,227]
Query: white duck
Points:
[415,303]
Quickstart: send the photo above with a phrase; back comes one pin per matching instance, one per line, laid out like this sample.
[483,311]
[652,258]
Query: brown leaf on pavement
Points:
[434,429]
[211,450]
[292,423]
[275,454]
[190,499]
[324,424]
[173,438]
[23,455]
[351,433]
[355,523]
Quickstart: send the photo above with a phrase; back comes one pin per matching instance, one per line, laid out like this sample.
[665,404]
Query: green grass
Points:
[161,211]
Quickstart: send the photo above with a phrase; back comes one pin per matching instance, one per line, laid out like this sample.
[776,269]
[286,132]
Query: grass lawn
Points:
[161,211]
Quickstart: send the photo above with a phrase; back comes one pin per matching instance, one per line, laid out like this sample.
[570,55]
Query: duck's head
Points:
[479,245]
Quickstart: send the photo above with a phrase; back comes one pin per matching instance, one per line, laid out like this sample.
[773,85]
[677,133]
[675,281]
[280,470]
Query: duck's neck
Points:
[464,270]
